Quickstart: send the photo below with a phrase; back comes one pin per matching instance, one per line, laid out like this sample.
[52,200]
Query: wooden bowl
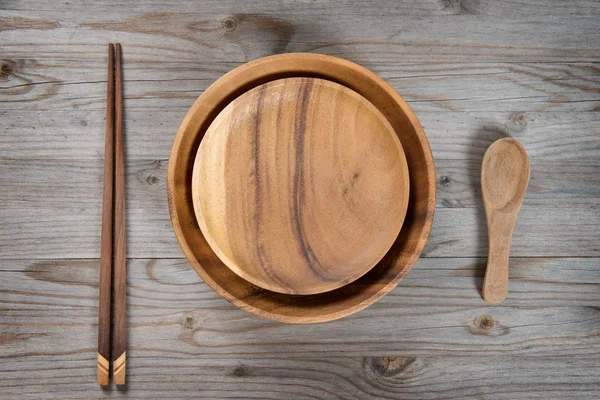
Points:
[347,299]
[300,185]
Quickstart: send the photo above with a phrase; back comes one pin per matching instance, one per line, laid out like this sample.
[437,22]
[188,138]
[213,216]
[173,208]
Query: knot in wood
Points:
[6,69]
[518,122]
[453,6]
[485,322]
[239,371]
[152,180]
[389,366]
[189,322]
[444,180]
[229,24]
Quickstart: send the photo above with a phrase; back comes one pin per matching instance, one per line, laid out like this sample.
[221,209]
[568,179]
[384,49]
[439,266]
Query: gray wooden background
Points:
[473,71]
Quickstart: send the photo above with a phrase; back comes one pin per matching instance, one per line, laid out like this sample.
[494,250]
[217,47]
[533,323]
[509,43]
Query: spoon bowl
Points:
[505,174]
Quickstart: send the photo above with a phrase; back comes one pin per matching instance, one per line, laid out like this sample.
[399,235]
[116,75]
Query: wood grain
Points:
[553,183]
[65,81]
[473,72]
[37,191]
[326,194]
[548,326]
[106,239]
[49,308]
[504,180]
[27,231]
[389,32]
[119,339]
[66,183]
[357,294]
[412,8]
[56,135]
[388,377]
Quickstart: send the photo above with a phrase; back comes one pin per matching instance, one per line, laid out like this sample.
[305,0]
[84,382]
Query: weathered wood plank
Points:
[566,184]
[429,338]
[430,31]
[49,309]
[391,377]
[540,232]
[559,216]
[79,134]
[323,378]
[62,80]
[63,183]
[537,282]
[413,8]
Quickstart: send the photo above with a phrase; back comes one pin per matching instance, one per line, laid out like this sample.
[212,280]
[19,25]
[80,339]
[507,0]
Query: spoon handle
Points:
[495,283]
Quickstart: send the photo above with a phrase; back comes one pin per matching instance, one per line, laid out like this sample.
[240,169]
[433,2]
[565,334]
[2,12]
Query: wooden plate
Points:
[300,185]
[349,298]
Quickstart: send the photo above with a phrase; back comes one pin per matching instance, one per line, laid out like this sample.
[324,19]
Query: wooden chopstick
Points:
[120,282]
[114,174]
[106,241]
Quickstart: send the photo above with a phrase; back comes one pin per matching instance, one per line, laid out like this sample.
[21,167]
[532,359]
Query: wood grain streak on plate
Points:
[300,186]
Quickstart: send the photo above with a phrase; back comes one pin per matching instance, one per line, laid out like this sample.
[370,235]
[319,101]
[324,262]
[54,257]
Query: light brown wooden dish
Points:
[504,181]
[300,186]
[356,295]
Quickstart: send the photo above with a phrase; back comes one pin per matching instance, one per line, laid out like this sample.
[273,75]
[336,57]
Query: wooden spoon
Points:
[504,179]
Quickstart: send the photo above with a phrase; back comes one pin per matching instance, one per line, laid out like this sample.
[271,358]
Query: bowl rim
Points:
[210,103]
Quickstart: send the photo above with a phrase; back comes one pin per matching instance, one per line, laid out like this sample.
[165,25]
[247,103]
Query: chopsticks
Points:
[114,175]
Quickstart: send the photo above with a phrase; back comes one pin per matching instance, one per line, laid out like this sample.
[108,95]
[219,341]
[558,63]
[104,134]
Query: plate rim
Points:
[401,206]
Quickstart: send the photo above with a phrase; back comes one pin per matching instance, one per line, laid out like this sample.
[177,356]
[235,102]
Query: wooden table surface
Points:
[472,70]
